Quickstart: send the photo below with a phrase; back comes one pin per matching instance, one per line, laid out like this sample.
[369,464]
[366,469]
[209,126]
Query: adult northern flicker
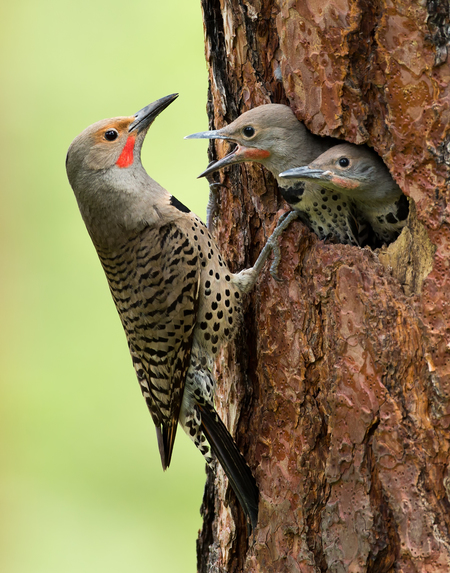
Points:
[176,298]
[357,173]
[272,135]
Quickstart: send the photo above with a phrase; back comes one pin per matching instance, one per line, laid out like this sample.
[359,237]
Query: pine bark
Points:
[337,388]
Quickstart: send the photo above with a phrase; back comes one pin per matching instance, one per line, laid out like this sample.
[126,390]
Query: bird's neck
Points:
[114,208]
[298,151]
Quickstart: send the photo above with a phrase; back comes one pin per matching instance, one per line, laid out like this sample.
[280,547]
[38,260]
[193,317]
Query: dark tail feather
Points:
[232,461]
[166,440]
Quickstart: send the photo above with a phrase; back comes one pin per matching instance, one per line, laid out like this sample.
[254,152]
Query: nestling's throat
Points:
[127,156]
[255,154]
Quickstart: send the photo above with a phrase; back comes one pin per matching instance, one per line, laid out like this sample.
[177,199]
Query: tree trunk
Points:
[337,388]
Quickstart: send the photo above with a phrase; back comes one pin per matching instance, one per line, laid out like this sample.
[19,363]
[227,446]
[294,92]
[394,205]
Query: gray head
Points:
[105,170]
[112,144]
[351,169]
[270,135]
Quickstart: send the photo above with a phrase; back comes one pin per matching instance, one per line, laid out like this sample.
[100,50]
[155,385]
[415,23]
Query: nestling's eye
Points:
[248,131]
[344,162]
[111,134]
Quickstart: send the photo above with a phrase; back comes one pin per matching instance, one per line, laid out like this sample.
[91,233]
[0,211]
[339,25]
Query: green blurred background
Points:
[82,489]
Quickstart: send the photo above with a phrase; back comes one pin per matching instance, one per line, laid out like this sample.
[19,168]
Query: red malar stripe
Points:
[126,157]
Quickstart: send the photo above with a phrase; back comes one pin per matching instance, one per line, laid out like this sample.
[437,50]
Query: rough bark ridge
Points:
[338,388]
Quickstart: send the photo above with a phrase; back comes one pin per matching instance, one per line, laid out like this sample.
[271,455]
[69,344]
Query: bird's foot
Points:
[275,263]
[283,222]
[212,207]
[248,277]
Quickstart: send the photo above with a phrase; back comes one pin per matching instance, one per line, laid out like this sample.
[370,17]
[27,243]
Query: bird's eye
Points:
[248,131]
[344,162]
[111,134]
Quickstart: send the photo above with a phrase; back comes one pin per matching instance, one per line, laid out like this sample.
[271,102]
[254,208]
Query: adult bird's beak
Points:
[145,117]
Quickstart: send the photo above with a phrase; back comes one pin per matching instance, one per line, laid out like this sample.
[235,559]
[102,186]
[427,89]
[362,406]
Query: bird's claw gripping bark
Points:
[272,245]
[212,207]
[275,263]
[283,222]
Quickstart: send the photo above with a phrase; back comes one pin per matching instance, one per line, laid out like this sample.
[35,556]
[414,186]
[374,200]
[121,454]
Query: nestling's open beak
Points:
[232,158]
[229,159]
[145,117]
[239,154]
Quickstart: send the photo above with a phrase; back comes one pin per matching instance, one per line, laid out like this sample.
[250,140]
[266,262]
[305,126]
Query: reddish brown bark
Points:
[338,388]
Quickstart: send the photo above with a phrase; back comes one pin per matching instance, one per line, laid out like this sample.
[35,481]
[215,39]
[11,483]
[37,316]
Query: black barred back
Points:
[154,281]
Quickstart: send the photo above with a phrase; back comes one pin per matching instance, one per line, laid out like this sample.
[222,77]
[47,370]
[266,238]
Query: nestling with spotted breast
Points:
[358,173]
[272,136]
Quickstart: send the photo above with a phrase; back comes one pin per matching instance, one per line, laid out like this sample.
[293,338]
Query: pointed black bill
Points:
[215,134]
[306,173]
[144,117]
[229,159]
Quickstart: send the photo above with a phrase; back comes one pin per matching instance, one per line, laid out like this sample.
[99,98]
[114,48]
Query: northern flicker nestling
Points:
[272,136]
[357,173]
[176,298]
